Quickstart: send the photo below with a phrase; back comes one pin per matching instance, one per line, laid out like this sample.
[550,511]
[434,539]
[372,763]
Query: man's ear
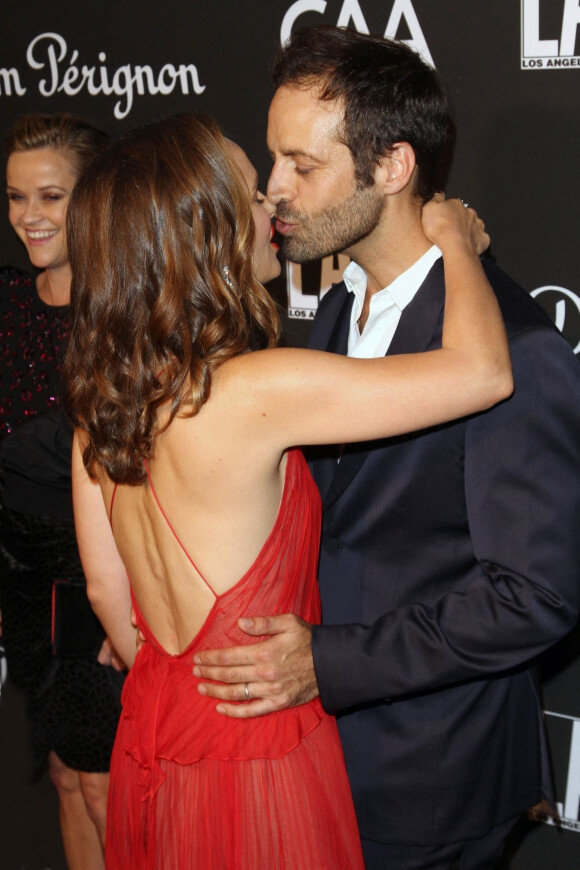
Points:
[396,169]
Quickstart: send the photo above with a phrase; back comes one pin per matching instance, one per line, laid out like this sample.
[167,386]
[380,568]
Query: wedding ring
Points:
[247,693]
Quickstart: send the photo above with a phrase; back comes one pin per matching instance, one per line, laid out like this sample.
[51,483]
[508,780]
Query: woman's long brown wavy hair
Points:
[160,238]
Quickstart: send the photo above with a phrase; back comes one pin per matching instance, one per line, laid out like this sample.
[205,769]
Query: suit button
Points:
[330,544]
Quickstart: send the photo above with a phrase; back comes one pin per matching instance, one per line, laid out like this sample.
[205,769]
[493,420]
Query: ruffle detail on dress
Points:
[177,723]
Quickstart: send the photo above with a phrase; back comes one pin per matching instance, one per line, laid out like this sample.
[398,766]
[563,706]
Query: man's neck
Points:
[393,246]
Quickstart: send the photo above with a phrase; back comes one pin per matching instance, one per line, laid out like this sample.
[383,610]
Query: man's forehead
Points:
[307,97]
[299,114]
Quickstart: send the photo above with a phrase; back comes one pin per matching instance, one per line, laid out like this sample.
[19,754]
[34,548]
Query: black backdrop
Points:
[513,70]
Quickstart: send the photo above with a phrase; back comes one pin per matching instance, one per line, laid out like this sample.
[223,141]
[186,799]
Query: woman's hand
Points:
[445,219]
[109,656]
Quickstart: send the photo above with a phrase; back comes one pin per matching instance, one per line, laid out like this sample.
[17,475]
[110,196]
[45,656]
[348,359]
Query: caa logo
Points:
[563,306]
[307,284]
[351,13]
[564,735]
[549,30]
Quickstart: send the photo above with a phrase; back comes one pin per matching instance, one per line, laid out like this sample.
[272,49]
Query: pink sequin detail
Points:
[32,337]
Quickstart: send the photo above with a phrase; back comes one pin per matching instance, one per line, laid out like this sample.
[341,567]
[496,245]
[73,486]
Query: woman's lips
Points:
[40,237]
[274,244]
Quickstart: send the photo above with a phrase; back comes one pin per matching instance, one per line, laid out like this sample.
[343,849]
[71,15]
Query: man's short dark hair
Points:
[389,93]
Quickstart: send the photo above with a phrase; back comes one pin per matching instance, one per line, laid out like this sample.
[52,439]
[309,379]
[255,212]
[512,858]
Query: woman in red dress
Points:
[187,481]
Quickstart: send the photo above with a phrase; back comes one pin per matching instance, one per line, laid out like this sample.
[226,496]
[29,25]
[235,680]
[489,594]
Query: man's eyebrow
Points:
[298,152]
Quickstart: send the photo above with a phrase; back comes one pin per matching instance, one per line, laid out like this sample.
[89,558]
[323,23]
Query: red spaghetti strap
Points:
[111,506]
[173,532]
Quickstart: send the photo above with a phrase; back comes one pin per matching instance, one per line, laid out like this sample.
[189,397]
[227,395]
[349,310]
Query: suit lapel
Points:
[338,341]
[323,458]
[419,329]
[330,328]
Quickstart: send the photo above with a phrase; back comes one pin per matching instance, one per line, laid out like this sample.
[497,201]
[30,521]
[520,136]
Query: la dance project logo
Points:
[549,34]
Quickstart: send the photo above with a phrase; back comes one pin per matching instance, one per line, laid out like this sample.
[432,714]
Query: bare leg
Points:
[82,844]
[94,787]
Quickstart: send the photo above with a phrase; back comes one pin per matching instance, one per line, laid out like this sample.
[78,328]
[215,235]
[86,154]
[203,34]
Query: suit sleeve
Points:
[522,490]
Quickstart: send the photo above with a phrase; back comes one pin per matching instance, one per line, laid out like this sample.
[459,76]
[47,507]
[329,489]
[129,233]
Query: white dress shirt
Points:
[386,306]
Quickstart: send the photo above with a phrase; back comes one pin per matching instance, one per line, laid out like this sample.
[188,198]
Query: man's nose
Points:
[278,187]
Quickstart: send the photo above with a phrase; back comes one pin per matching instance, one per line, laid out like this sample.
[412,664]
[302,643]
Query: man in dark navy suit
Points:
[450,558]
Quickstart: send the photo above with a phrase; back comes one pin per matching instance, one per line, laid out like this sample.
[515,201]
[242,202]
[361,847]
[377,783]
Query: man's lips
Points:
[283,227]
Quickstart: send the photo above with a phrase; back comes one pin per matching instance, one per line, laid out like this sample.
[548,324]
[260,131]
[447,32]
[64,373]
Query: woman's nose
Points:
[269,206]
[32,211]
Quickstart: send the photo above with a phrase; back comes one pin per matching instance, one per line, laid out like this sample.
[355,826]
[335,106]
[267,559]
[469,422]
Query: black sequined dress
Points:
[73,703]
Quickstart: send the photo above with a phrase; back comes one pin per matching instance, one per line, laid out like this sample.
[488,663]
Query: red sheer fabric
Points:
[193,789]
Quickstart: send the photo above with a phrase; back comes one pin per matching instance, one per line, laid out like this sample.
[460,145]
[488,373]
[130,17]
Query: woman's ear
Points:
[396,169]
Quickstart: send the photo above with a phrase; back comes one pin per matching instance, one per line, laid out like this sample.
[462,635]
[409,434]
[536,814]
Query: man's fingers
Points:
[277,669]
[223,692]
[249,710]
[224,658]
[250,654]
[237,691]
[263,625]
[225,675]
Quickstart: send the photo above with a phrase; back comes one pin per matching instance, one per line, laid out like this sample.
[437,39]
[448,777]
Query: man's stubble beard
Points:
[333,229]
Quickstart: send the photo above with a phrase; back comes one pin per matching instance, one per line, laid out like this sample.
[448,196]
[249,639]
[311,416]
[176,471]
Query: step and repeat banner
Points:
[513,71]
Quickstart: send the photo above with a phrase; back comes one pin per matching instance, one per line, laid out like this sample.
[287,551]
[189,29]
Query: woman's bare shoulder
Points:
[262,367]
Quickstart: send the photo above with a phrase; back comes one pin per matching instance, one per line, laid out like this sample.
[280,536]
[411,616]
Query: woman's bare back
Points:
[196,527]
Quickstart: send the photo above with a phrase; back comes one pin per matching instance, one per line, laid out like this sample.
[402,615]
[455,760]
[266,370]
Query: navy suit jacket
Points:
[449,559]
